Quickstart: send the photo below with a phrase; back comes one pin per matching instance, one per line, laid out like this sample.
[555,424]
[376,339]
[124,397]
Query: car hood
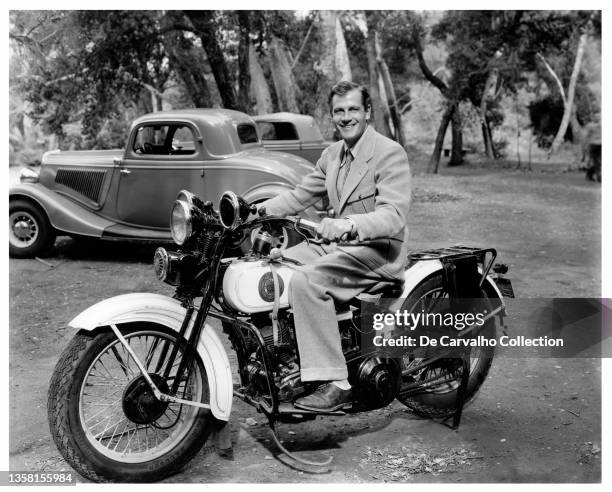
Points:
[289,167]
[80,157]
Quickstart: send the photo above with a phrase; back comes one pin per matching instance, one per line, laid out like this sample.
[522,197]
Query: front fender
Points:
[64,214]
[155,308]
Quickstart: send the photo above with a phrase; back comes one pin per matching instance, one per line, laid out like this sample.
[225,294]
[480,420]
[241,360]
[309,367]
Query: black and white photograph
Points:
[306,246]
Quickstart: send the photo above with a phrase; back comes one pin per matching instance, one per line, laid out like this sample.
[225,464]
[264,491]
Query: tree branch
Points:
[554,76]
[437,82]
[299,53]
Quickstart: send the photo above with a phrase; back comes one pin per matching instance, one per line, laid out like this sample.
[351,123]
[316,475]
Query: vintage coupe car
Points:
[127,194]
[294,133]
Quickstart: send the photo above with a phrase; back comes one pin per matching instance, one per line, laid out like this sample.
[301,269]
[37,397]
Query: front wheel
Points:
[105,420]
[432,390]
[30,232]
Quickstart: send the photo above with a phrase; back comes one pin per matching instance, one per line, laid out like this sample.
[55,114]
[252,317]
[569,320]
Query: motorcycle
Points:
[146,378]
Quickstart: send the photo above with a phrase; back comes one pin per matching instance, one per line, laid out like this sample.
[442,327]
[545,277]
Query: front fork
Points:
[158,394]
[187,360]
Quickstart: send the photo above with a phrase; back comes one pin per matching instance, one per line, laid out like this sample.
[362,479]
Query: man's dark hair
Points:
[343,87]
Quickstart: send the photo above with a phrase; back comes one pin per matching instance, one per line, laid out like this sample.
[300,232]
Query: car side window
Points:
[183,141]
[247,134]
[277,130]
[155,139]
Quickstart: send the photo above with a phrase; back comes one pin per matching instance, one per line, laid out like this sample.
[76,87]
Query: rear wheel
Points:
[432,391]
[104,418]
[30,232]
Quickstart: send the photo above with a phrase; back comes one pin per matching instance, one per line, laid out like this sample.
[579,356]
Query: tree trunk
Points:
[486,130]
[282,76]
[187,60]
[378,114]
[486,138]
[260,91]
[396,116]
[204,23]
[343,65]
[325,69]
[457,133]
[567,106]
[434,161]
[244,74]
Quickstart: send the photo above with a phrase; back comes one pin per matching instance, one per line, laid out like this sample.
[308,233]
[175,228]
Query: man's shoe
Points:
[326,398]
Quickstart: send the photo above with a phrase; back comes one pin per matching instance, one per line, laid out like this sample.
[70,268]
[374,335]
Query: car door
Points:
[162,158]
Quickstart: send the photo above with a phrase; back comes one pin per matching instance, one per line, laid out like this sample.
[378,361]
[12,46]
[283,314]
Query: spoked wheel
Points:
[106,421]
[431,391]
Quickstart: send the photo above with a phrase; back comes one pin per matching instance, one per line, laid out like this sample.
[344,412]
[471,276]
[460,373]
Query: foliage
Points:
[83,75]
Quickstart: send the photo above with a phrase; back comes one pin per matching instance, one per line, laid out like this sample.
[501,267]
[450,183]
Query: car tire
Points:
[30,232]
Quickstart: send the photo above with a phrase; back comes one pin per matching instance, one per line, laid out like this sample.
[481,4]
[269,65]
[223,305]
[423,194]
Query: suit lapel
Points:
[332,175]
[359,167]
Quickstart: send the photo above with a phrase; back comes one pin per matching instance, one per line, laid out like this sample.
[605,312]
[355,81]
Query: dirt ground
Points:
[534,420]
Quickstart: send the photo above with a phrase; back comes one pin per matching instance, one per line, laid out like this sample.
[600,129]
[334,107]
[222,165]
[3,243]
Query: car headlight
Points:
[181,222]
[28,175]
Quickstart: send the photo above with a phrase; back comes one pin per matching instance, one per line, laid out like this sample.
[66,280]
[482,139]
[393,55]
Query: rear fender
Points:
[155,308]
[417,273]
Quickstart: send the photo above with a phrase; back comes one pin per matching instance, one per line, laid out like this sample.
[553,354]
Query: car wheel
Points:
[30,232]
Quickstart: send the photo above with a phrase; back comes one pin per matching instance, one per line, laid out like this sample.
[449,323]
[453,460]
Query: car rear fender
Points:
[263,191]
[155,308]
[64,214]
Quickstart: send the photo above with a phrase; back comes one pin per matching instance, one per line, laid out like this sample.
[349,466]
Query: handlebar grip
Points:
[308,224]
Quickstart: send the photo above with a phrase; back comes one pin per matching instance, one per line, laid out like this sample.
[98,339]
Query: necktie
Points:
[345,166]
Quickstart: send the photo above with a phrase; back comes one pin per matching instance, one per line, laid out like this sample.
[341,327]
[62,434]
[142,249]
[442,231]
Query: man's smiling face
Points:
[349,116]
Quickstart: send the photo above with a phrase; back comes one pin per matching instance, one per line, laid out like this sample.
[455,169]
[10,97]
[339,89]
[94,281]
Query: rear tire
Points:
[91,420]
[440,401]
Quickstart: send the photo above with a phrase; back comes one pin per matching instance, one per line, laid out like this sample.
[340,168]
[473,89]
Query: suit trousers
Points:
[329,274]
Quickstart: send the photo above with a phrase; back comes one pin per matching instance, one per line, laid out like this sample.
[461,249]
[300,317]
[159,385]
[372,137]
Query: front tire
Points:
[439,401]
[30,232]
[106,423]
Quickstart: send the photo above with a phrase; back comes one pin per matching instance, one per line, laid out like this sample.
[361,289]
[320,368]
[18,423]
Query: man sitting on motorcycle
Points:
[366,177]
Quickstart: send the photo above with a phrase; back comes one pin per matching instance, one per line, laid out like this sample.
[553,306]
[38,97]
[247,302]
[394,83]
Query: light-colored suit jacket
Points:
[376,196]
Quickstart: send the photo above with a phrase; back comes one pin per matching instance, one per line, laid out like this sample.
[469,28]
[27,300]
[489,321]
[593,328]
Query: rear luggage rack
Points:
[457,253]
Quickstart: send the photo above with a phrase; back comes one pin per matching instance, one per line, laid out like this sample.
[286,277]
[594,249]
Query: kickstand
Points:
[291,455]
[462,390]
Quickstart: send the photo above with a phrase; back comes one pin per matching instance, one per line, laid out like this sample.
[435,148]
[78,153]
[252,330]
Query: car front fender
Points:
[64,214]
[155,308]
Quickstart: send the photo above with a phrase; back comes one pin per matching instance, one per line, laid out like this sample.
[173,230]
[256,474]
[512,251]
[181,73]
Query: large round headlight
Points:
[181,222]
[233,210]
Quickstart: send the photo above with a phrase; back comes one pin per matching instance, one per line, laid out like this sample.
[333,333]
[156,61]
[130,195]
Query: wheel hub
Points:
[23,229]
[140,404]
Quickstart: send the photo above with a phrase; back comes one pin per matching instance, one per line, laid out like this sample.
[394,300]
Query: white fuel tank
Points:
[248,286]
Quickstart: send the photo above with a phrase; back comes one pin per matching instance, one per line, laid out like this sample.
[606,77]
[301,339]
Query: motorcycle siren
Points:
[233,210]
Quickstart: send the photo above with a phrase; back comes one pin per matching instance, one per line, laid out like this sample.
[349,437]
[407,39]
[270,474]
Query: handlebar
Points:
[298,221]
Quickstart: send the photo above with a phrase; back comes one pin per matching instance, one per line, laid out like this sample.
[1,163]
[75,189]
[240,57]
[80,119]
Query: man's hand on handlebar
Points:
[335,229]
